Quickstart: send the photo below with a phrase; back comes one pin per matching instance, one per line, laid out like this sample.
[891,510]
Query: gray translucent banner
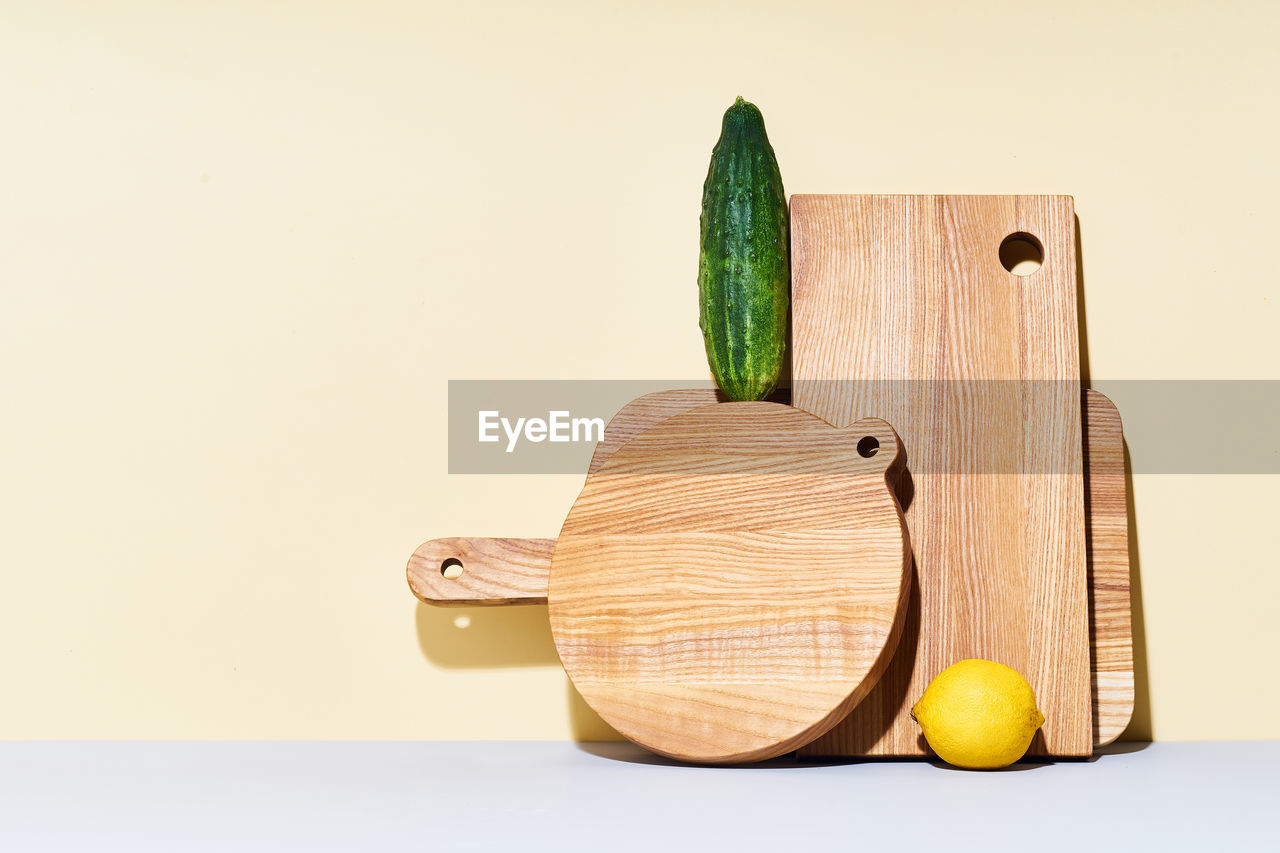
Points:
[1170,426]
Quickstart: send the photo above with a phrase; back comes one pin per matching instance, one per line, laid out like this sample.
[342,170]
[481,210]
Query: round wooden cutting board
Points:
[733,580]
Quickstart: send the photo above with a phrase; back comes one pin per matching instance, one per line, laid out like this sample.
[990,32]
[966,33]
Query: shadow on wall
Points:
[502,637]
[1140,726]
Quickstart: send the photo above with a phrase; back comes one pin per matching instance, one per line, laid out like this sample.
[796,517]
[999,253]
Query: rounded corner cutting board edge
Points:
[732,580]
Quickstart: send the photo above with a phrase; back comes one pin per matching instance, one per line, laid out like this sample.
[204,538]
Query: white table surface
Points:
[425,796]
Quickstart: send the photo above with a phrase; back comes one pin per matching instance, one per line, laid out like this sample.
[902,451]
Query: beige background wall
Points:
[244,246]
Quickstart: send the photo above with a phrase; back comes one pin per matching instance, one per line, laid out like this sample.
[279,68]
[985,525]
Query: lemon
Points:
[978,714]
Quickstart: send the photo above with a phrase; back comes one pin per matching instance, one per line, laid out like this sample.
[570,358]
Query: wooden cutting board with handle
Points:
[727,585]
[902,309]
[516,571]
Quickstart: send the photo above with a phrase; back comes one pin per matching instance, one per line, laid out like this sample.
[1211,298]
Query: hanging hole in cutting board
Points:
[452,568]
[868,446]
[1021,253]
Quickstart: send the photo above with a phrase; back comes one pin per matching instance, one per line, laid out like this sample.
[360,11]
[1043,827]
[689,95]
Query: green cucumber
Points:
[743,271]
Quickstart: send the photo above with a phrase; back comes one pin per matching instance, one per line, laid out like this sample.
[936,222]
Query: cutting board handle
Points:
[461,571]
[879,444]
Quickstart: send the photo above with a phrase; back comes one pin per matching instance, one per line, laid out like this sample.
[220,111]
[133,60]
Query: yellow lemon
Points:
[978,714]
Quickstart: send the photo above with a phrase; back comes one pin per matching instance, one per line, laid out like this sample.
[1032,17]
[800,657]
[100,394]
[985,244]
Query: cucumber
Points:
[743,269]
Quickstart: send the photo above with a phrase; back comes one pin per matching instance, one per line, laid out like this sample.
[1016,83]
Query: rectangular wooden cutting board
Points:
[903,310]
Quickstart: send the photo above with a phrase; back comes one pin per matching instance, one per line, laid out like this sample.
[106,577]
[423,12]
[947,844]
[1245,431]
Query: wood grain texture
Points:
[731,581]
[902,310]
[645,412]
[1110,620]
[1111,639]
[494,571]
